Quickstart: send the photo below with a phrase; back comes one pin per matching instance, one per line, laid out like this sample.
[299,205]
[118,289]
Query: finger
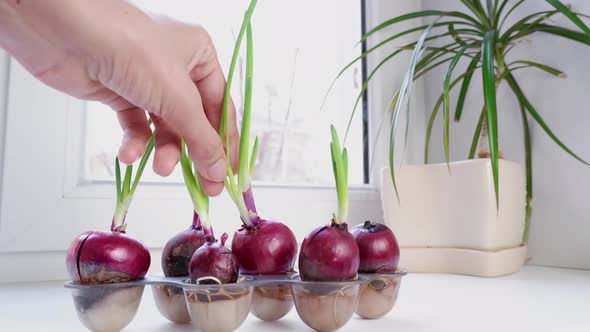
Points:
[181,108]
[211,188]
[210,82]
[136,133]
[167,146]
[167,91]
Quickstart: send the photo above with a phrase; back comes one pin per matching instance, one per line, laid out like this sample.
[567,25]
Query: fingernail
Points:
[217,172]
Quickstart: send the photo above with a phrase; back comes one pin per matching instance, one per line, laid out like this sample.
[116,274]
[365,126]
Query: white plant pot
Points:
[447,220]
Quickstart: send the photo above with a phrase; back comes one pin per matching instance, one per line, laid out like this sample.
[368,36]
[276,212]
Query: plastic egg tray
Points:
[323,306]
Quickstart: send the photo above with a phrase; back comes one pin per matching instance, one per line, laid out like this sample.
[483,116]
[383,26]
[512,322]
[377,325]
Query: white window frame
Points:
[45,203]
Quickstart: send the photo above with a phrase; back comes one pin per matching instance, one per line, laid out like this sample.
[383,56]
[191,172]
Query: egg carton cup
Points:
[214,307]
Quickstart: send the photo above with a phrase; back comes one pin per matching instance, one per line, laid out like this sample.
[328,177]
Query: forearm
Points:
[22,34]
[58,27]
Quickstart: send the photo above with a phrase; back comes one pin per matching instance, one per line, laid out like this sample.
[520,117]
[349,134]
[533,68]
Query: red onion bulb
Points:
[178,251]
[329,253]
[214,259]
[269,248]
[378,248]
[100,257]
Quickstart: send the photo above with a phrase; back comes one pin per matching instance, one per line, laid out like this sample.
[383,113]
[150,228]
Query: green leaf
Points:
[340,167]
[223,128]
[335,142]
[364,88]
[372,49]
[405,89]
[567,12]
[467,32]
[489,89]
[522,25]
[446,102]
[345,164]
[127,181]
[510,11]
[582,15]
[374,149]
[334,156]
[498,14]
[143,162]
[204,202]
[529,172]
[455,35]
[415,15]
[244,180]
[400,49]
[118,180]
[537,117]
[253,157]
[548,69]
[477,133]
[435,54]
[429,68]
[491,11]
[435,112]
[187,171]
[193,186]
[478,11]
[465,86]
[562,32]
[421,67]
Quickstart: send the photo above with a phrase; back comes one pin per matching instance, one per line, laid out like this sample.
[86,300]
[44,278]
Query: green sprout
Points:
[193,185]
[340,168]
[125,189]
[247,150]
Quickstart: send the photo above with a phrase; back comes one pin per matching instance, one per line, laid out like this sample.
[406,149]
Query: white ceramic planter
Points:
[446,219]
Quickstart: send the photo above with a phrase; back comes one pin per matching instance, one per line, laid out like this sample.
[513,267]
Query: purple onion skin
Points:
[269,248]
[178,251]
[214,259]
[378,248]
[102,257]
[329,253]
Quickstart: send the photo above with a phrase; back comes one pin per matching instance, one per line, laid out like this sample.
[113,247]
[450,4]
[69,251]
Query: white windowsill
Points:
[537,299]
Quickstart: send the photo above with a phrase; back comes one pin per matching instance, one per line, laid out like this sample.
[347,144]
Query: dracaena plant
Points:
[481,37]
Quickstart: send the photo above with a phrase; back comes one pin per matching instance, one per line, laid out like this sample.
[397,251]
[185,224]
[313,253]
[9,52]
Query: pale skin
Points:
[112,52]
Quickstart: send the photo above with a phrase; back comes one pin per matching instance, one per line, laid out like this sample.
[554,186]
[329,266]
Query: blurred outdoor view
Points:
[299,48]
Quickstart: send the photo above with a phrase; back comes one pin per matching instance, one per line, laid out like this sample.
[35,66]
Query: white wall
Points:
[560,233]
[4,69]
[387,81]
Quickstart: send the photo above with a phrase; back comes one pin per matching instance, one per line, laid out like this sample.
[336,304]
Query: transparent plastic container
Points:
[107,308]
[378,294]
[271,297]
[171,303]
[326,306]
[323,306]
[218,307]
[272,302]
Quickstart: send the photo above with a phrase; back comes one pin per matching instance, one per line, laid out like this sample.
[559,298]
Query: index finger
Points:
[211,83]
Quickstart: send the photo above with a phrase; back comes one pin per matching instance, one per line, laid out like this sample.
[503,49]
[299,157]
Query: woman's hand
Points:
[112,52]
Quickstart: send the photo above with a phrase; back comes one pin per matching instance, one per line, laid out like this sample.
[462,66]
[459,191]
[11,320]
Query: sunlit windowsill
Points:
[537,299]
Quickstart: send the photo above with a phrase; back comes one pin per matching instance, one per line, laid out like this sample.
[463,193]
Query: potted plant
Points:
[472,216]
